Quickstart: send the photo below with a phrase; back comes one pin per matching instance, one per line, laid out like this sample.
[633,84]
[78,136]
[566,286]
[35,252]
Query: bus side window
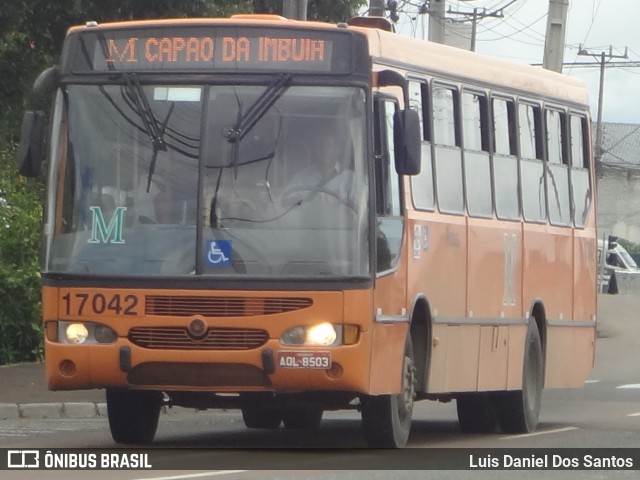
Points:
[476,154]
[422,191]
[505,160]
[534,202]
[447,150]
[558,200]
[580,183]
[388,207]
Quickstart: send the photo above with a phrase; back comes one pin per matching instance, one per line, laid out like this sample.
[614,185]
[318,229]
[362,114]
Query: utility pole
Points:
[602,56]
[376,8]
[476,16]
[437,9]
[554,39]
[295,9]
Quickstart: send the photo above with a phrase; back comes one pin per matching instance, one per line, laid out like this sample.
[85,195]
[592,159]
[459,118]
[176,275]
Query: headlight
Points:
[85,332]
[321,335]
[76,333]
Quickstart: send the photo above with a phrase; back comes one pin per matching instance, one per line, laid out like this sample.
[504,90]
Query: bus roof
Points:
[406,53]
[259,20]
[391,49]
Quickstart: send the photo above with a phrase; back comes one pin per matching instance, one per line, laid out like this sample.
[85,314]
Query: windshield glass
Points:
[283,187]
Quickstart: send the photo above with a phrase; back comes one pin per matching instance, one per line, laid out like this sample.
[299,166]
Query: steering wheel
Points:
[312,192]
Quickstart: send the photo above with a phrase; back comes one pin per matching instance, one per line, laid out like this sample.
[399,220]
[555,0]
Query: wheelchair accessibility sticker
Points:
[218,253]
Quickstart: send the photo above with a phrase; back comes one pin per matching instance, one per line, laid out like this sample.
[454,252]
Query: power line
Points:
[603,57]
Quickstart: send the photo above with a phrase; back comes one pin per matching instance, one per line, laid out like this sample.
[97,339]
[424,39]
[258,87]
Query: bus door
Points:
[390,305]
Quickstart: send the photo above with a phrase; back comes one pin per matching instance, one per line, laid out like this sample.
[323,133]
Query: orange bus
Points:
[292,217]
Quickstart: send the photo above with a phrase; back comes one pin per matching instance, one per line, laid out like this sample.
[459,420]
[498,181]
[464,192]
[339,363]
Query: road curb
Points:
[73,410]
[34,411]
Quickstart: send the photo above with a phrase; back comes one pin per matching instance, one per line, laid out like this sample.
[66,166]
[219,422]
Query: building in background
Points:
[618,189]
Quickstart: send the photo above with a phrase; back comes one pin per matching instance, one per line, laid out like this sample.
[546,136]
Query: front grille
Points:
[198,375]
[178,338]
[187,306]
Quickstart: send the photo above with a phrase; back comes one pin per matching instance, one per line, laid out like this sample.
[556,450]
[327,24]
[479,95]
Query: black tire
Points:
[476,413]
[133,415]
[518,411]
[259,410]
[386,419]
[302,419]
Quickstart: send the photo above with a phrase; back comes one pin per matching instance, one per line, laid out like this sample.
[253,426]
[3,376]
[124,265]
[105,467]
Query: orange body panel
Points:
[479,277]
[98,366]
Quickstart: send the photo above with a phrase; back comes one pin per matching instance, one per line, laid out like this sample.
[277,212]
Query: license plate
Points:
[321,360]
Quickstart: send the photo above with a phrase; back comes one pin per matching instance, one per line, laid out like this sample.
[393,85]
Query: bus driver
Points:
[329,176]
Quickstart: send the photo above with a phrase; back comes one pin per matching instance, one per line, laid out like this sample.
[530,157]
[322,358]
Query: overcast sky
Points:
[596,24]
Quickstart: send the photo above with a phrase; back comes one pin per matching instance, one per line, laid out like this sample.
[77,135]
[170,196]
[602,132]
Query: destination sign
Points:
[215,49]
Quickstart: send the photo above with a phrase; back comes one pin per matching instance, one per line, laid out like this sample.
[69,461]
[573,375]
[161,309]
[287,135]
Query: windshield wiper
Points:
[151,125]
[245,122]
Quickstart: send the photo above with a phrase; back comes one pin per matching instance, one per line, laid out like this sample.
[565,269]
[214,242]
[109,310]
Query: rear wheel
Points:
[386,419]
[133,415]
[518,411]
[476,413]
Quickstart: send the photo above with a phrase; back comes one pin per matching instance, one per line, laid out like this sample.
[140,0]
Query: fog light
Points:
[67,368]
[104,334]
[293,336]
[76,333]
[323,334]
[335,371]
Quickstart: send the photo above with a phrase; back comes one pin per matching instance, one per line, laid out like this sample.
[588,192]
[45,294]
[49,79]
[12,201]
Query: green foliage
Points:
[20,229]
[323,10]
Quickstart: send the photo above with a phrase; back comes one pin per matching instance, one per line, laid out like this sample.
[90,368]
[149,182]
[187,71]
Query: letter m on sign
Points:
[99,227]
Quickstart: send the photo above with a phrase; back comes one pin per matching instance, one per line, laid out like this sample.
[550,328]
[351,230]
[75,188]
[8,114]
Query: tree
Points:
[20,233]
[323,10]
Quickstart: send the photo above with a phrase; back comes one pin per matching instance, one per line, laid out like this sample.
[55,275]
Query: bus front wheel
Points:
[133,415]
[518,411]
[386,419]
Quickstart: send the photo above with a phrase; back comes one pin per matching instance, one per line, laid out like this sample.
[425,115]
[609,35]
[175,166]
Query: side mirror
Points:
[407,142]
[31,144]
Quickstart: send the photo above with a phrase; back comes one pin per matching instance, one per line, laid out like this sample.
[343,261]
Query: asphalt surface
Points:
[24,392]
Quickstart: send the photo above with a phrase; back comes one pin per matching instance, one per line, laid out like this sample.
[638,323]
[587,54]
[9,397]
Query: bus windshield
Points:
[151,179]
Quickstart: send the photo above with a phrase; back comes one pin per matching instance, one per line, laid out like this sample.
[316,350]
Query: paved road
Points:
[606,413]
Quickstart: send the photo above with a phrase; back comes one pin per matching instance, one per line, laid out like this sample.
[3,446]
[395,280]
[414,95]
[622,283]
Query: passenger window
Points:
[578,138]
[580,179]
[418,101]
[444,117]
[473,108]
[528,127]
[504,127]
[558,194]
[422,184]
[477,162]
[555,152]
